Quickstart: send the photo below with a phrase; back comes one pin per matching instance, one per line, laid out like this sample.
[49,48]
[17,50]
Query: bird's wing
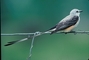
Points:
[60,23]
[67,22]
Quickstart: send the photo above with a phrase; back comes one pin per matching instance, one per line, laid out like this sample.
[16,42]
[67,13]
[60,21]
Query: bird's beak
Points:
[80,10]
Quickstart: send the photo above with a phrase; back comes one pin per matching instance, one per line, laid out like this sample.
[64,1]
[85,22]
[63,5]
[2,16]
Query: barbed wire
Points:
[40,33]
[33,35]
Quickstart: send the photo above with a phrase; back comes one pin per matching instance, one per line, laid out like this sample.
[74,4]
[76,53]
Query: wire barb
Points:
[30,54]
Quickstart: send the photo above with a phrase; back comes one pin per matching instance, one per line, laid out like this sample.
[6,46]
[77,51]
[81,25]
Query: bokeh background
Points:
[27,16]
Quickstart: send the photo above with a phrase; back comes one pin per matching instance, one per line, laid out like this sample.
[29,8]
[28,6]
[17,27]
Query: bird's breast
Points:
[69,28]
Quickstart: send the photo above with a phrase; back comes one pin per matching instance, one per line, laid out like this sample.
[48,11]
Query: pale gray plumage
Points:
[71,20]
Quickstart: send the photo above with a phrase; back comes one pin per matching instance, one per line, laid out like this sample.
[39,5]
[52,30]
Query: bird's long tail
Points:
[13,42]
[52,32]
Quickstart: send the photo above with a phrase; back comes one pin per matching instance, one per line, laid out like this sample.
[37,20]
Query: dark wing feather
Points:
[68,23]
[64,25]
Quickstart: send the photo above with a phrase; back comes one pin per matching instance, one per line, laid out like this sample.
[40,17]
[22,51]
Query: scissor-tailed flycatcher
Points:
[67,24]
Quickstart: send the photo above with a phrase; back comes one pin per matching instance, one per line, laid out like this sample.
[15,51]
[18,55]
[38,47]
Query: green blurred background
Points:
[27,16]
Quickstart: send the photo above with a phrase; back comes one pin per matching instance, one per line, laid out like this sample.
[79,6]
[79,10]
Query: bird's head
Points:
[75,12]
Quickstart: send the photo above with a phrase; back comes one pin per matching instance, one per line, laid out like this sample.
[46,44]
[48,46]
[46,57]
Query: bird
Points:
[68,23]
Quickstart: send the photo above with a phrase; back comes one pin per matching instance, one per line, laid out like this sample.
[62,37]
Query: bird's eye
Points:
[76,11]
